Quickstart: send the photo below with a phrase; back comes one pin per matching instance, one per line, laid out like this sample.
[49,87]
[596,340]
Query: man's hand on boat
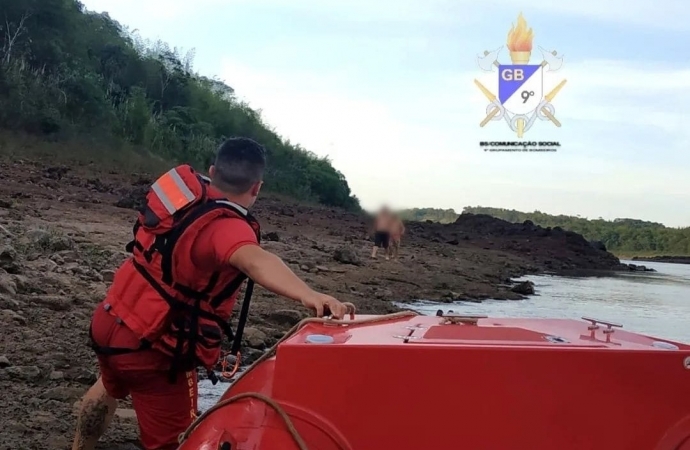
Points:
[323,304]
[270,271]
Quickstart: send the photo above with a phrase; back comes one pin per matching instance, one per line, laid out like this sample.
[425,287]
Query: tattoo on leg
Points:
[92,420]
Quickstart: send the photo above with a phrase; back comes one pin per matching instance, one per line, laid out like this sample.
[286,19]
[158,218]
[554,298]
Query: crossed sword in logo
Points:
[554,63]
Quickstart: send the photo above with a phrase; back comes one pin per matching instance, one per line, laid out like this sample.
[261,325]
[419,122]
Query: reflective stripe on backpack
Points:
[172,191]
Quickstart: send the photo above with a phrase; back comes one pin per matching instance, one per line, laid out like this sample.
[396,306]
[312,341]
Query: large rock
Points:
[108,275]
[43,265]
[347,255]
[25,373]
[134,198]
[254,338]
[7,286]
[54,302]
[250,355]
[81,375]
[63,394]
[524,288]
[271,237]
[640,268]
[8,259]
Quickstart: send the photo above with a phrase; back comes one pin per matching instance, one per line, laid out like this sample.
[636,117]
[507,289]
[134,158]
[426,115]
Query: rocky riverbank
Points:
[62,235]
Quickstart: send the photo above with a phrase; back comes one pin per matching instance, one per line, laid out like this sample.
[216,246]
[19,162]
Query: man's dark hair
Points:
[240,162]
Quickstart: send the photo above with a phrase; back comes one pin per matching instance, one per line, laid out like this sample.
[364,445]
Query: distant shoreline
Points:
[664,259]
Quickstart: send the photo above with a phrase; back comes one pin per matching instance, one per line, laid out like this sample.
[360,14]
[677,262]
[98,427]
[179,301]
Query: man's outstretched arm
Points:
[270,271]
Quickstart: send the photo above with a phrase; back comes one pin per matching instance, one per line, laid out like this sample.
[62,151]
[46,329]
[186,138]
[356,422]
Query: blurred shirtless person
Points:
[397,230]
[382,224]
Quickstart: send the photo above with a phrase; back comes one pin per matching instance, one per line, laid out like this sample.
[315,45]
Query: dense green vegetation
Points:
[66,73]
[621,236]
[432,214]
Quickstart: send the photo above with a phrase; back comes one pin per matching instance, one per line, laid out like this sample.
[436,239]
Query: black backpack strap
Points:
[180,360]
[227,291]
[129,248]
[244,313]
[177,357]
[242,321]
[193,333]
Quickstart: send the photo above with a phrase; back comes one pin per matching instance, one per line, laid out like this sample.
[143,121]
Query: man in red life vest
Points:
[194,244]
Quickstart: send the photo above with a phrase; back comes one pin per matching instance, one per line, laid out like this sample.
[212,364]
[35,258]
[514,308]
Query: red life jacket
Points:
[158,293]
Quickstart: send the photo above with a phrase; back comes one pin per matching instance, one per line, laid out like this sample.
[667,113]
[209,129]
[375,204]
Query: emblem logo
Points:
[521,99]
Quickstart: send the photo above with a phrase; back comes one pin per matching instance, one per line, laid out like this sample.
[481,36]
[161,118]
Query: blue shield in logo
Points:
[520,87]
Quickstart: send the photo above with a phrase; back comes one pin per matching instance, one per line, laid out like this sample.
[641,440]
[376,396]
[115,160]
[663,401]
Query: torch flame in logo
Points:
[520,37]
[520,41]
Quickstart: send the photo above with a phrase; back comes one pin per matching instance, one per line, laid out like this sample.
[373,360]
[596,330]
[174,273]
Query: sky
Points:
[385,89]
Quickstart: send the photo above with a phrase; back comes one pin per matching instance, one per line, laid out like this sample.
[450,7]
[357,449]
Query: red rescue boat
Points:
[411,382]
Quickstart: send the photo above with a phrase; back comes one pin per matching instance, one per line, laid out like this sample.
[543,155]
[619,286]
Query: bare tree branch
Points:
[11,37]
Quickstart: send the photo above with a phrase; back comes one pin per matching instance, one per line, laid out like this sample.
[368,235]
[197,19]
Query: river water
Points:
[652,303]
